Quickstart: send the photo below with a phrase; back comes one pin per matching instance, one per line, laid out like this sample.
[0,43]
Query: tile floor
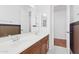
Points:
[58,50]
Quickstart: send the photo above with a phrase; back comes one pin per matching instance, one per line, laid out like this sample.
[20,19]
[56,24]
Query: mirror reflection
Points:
[21,26]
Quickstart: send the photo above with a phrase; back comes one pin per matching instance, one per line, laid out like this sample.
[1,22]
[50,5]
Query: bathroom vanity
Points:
[26,43]
[40,47]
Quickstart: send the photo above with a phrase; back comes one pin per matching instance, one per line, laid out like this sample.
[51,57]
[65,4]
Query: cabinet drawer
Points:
[44,45]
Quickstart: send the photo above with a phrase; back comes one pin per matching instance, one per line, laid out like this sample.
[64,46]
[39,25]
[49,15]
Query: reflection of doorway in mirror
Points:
[37,23]
[44,20]
[29,21]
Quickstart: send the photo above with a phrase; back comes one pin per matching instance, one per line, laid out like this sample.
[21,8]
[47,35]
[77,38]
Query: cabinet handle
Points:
[69,32]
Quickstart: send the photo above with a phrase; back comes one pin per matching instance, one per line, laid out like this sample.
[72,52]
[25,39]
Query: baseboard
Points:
[60,42]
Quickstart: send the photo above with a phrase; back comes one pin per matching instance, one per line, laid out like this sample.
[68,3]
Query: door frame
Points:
[68,28]
[51,37]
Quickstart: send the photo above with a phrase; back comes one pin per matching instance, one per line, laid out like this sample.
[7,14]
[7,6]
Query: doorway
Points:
[61,28]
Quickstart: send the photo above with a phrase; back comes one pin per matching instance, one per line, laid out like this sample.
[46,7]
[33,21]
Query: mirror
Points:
[19,19]
[14,19]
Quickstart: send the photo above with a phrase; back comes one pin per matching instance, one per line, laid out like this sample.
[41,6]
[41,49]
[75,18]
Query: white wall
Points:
[37,11]
[25,19]
[74,13]
[15,14]
[60,24]
[9,14]
[71,14]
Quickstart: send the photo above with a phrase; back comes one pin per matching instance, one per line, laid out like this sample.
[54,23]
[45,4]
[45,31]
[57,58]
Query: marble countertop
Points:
[8,46]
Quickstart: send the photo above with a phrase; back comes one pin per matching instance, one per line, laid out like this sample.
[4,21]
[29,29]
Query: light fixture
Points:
[44,14]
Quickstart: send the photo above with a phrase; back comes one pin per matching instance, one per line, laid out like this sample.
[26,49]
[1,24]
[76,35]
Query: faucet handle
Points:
[34,26]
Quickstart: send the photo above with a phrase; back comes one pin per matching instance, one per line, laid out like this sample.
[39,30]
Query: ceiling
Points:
[60,7]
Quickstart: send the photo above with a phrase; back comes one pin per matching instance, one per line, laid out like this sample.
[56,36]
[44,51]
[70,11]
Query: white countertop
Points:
[15,47]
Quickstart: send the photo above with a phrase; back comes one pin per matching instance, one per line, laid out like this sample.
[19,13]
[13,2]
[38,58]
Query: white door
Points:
[51,44]
[61,26]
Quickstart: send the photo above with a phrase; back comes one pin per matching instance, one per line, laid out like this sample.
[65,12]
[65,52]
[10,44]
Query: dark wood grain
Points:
[40,47]
[8,29]
[60,42]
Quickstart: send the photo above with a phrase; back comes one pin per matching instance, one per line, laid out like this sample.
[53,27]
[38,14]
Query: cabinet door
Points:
[76,39]
[41,47]
[44,45]
[34,49]
[27,51]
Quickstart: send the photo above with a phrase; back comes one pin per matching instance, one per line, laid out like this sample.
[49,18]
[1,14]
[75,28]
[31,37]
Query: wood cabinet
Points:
[40,47]
[74,37]
[34,49]
[44,45]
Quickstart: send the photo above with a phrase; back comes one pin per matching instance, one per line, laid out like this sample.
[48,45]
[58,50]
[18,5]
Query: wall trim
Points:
[60,42]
